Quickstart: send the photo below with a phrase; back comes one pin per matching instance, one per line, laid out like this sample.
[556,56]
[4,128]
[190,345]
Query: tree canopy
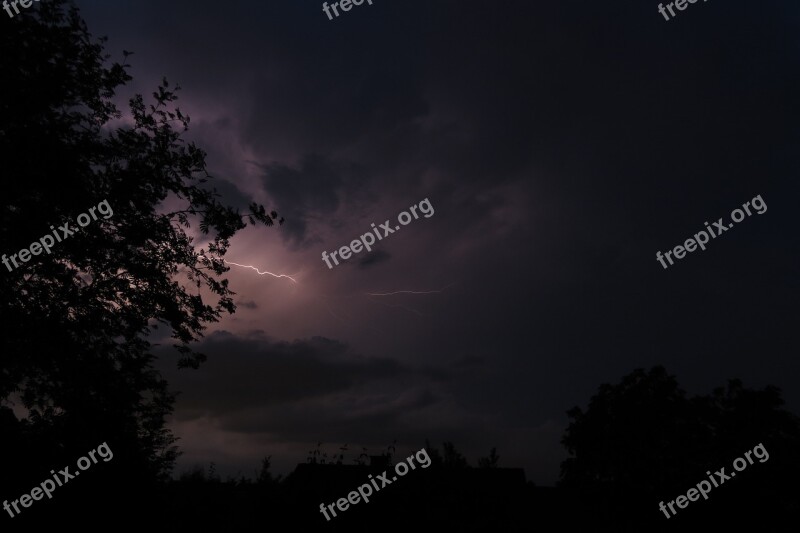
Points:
[645,440]
[79,320]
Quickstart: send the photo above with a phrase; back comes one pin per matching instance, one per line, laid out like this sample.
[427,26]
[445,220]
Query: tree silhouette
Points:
[449,457]
[643,441]
[75,354]
[491,461]
[452,458]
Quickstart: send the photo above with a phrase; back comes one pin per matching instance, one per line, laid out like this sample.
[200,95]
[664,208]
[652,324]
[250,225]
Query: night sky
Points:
[561,145]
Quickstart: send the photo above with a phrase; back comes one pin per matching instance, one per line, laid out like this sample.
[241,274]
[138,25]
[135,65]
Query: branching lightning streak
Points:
[327,307]
[263,273]
[399,292]
[406,292]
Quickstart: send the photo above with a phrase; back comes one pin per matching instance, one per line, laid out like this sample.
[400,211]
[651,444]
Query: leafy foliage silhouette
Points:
[644,440]
[76,354]
[491,461]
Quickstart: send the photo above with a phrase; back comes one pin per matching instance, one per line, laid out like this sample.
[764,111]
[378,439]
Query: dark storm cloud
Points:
[347,108]
[313,191]
[257,372]
[373,258]
[469,361]
[338,418]
[228,193]
[247,304]
[481,92]
[305,389]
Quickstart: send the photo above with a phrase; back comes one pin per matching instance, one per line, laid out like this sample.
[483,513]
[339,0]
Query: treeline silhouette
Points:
[448,493]
[637,443]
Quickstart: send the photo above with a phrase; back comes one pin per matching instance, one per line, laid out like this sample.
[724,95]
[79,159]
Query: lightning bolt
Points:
[263,273]
[378,294]
[407,292]
[399,292]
